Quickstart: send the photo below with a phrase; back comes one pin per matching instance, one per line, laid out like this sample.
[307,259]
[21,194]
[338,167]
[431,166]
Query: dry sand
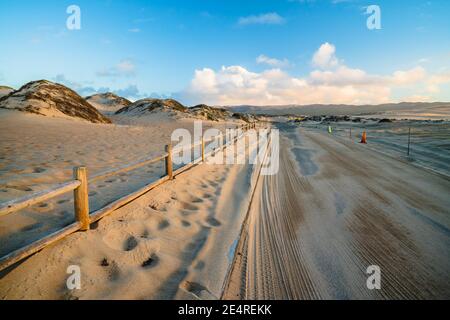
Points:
[38,151]
[429,141]
[173,242]
[335,208]
[176,241]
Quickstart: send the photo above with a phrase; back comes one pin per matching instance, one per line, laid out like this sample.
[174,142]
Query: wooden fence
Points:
[79,186]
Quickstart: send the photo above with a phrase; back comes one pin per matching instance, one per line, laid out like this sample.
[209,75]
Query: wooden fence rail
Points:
[83,218]
[37,197]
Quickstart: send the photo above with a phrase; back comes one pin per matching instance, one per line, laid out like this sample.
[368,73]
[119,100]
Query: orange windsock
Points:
[364,137]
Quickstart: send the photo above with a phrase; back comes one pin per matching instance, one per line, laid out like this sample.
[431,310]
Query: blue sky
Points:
[233,52]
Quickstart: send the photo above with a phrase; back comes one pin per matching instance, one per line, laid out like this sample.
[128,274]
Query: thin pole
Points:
[409,139]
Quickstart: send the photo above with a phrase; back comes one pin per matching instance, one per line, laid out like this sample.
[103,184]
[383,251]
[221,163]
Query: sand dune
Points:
[5,90]
[52,100]
[107,103]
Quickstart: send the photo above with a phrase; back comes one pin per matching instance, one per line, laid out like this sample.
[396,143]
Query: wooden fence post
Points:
[81,198]
[203,149]
[169,168]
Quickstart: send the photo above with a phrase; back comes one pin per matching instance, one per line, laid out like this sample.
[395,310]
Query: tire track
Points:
[312,235]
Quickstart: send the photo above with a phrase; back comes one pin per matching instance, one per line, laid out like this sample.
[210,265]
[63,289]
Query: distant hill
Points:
[5,90]
[202,111]
[407,108]
[108,103]
[51,99]
[174,109]
[148,105]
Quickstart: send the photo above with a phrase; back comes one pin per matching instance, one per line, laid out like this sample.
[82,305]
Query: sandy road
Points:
[335,208]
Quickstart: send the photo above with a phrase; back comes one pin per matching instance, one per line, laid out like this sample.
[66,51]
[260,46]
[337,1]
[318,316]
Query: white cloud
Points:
[265,18]
[134,30]
[331,83]
[410,76]
[434,82]
[325,56]
[263,59]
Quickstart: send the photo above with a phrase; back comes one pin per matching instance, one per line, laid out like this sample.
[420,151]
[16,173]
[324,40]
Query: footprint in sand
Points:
[32,227]
[39,170]
[20,188]
[188,206]
[213,184]
[194,287]
[151,262]
[112,269]
[44,207]
[94,225]
[200,265]
[156,206]
[213,222]
[185,223]
[196,200]
[220,179]
[130,243]
[163,224]
[63,201]
[92,193]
